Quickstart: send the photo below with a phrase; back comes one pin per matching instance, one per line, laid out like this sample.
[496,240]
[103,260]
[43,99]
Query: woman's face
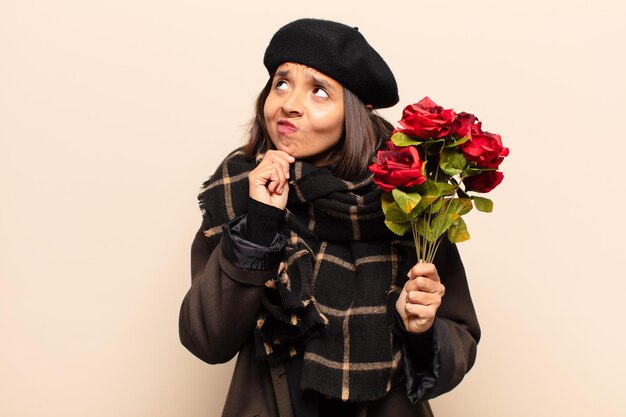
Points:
[304,112]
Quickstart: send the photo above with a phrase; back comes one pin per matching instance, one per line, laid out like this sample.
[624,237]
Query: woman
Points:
[293,267]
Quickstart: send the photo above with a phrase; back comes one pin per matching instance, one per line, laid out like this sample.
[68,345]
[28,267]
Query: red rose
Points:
[484,149]
[483,182]
[397,167]
[463,124]
[427,120]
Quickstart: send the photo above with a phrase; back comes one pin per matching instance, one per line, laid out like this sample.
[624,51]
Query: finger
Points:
[400,304]
[424,270]
[418,310]
[424,298]
[262,175]
[425,284]
[417,324]
[282,165]
[278,179]
[267,178]
[278,157]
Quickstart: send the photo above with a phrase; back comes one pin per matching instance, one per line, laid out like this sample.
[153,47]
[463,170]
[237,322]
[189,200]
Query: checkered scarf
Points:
[334,295]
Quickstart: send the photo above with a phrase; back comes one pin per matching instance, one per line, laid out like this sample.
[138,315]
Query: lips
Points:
[285,127]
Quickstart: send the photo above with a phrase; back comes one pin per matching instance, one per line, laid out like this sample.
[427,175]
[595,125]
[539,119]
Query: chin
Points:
[286,148]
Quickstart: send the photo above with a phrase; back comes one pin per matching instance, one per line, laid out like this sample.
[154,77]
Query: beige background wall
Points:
[112,113]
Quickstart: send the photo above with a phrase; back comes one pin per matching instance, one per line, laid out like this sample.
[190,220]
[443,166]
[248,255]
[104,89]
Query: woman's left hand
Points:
[420,298]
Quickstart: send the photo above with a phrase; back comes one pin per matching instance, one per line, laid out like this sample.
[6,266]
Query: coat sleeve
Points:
[437,361]
[220,309]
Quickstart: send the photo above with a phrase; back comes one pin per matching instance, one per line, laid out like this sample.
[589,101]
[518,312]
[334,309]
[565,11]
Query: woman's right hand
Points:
[268,181]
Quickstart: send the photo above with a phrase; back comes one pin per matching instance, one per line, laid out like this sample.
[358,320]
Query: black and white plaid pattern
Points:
[333,297]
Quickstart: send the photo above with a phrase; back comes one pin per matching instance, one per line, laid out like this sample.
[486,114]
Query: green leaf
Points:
[437,226]
[452,142]
[458,231]
[402,139]
[444,188]
[472,171]
[452,162]
[386,200]
[442,223]
[446,213]
[396,215]
[458,206]
[406,201]
[483,204]
[430,191]
[395,219]
[424,230]
[435,206]
[435,188]
[398,228]
[425,201]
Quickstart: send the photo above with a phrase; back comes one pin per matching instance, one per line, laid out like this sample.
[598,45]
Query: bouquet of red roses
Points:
[431,165]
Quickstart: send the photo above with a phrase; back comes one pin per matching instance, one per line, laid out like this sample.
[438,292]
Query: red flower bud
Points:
[397,167]
[484,149]
[483,182]
[426,119]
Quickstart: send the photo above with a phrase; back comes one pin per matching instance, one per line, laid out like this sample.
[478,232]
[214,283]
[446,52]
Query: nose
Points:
[293,103]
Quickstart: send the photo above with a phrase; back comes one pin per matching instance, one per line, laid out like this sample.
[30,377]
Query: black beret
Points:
[338,51]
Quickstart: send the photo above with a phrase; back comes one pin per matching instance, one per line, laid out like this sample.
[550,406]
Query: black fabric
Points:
[337,408]
[263,222]
[419,347]
[312,404]
[304,403]
[249,255]
[421,377]
[336,50]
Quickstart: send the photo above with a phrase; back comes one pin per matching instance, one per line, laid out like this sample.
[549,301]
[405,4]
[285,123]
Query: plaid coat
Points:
[220,312]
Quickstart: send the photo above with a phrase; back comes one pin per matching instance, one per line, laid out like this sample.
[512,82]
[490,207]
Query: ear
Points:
[369,107]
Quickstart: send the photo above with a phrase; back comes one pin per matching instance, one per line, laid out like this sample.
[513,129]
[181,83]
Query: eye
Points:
[281,85]
[320,92]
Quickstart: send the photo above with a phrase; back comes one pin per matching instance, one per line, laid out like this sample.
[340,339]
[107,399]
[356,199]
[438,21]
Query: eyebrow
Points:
[316,80]
[321,82]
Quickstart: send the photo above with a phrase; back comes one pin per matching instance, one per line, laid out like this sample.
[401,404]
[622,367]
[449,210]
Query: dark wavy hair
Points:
[364,132]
